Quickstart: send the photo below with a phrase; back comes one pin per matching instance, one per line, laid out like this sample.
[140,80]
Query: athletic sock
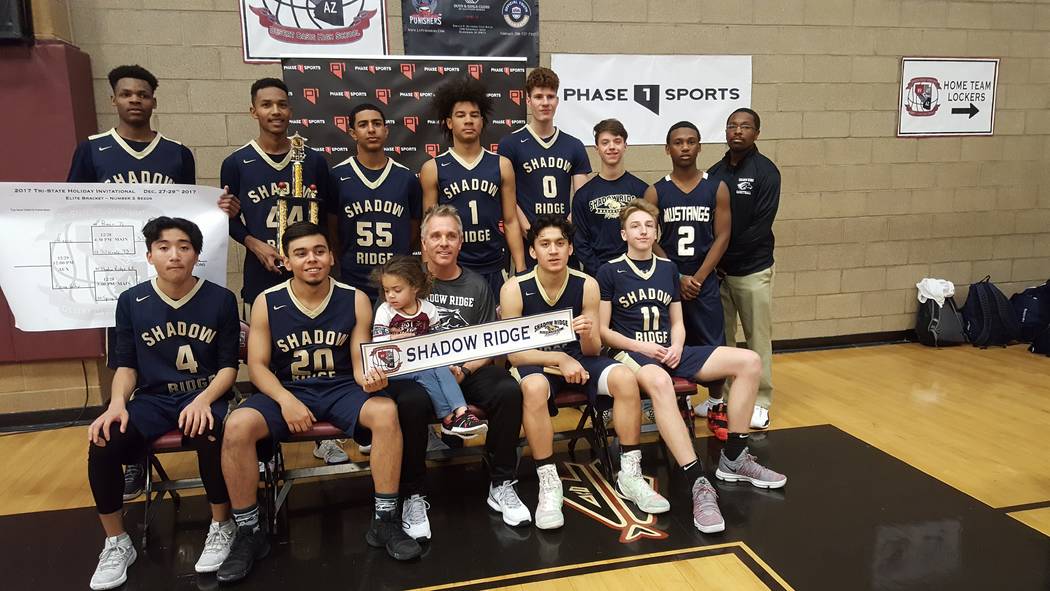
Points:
[629,448]
[735,446]
[547,461]
[692,471]
[247,517]
[385,503]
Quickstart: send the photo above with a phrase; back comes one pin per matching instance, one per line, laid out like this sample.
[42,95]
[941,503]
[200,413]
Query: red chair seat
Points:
[169,441]
[567,398]
[683,386]
[320,430]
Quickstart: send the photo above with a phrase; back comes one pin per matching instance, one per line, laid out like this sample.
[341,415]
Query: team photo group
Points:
[656,276]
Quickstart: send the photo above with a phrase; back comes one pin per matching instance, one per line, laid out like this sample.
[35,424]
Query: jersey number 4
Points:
[184,359]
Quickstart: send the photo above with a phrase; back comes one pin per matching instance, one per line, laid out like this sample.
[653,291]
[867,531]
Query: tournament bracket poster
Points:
[472,27]
[324,91]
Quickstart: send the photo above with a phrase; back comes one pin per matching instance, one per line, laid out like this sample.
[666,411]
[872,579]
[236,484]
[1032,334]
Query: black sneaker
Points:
[249,544]
[386,532]
[134,481]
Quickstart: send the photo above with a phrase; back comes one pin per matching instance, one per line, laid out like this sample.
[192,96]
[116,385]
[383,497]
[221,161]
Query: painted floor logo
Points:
[587,491]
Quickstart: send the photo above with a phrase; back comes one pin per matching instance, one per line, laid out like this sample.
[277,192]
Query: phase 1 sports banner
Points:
[472,27]
[649,93]
[324,91]
[274,29]
[459,345]
[68,250]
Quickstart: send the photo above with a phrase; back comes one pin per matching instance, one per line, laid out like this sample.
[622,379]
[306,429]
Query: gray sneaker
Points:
[706,516]
[134,481]
[329,451]
[747,469]
[113,563]
[634,487]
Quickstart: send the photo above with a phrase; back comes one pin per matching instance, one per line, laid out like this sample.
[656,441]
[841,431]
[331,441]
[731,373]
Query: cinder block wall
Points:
[863,214]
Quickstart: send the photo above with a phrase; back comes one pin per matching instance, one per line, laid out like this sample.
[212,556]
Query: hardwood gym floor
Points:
[909,467]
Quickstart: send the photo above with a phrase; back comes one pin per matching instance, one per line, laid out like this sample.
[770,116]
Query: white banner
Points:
[274,29]
[459,345]
[650,93]
[67,250]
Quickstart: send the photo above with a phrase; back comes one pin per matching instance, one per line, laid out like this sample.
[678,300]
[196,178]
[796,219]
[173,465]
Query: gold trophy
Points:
[298,195]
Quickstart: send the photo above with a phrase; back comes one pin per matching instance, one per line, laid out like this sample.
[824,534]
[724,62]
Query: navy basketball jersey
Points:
[596,215]
[176,347]
[543,169]
[535,300]
[109,158]
[256,178]
[473,188]
[641,293]
[311,344]
[375,209]
[687,226]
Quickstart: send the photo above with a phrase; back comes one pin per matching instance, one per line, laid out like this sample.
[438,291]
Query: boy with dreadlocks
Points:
[478,183]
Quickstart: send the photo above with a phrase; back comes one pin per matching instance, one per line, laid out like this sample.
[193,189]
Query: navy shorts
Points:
[693,360]
[337,401]
[702,315]
[154,415]
[597,367]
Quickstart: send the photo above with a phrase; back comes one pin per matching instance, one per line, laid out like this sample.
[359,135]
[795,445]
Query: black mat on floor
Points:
[851,517]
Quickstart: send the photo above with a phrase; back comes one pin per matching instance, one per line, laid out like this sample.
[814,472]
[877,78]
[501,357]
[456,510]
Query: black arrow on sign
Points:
[972,110]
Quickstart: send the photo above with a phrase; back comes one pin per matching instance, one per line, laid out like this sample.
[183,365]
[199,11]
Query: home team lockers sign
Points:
[947,96]
[649,93]
[324,91]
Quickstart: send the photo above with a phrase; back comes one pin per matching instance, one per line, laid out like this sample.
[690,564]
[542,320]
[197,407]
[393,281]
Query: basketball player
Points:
[375,201]
[132,152]
[641,323]
[478,183]
[553,285]
[257,173]
[694,233]
[596,206]
[176,351]
[549,164]
[303,378]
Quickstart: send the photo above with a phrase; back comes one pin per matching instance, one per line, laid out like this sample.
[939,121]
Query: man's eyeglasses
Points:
[744,127]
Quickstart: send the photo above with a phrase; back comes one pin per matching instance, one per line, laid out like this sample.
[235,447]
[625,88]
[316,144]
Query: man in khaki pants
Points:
[747,266]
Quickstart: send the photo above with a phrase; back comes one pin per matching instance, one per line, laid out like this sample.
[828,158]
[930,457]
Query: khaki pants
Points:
[752,297]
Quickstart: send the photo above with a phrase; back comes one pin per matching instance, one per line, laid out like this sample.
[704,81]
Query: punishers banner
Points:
[472,27]
[324,91]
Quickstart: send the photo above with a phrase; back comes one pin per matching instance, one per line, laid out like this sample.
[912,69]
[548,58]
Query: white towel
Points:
[937,290]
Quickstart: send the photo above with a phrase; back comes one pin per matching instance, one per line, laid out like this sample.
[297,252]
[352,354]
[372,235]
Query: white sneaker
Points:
[329,451]
[634,487]
[364,449]
[504,499]
[414,518]
[702,408]
[548,508]
[216,546]
[112,570]
[648,414]
[760,418]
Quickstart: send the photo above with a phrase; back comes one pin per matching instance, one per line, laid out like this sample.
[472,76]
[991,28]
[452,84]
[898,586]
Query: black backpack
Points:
[1032,310]
[988,316]
[1041,343]
[940,326]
